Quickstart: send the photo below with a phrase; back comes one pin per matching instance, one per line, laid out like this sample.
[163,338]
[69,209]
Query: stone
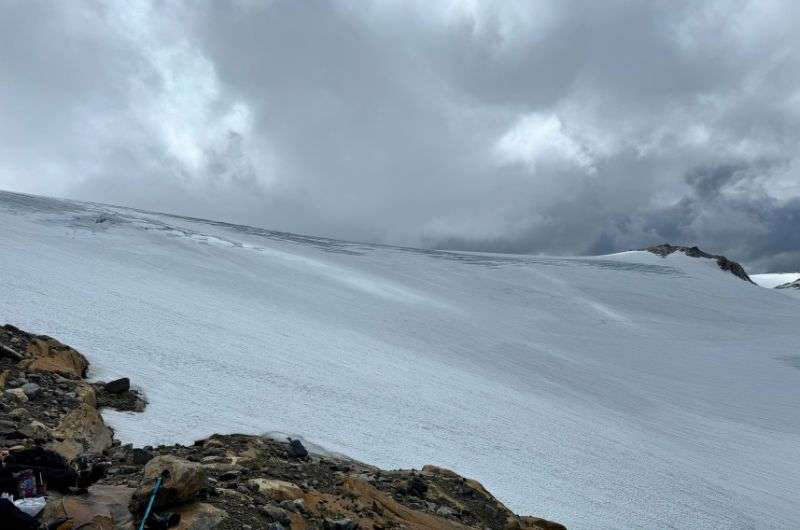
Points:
[445,511]
[118,386]
[340,524]
[7,427]
[49,355]
[296,449]
[19,413]
[182,482]
[279,515]
[36,430]
[17,393]
[103,507]
[141,456]
[278,490]
[82,430]
[200,516]
[31,390]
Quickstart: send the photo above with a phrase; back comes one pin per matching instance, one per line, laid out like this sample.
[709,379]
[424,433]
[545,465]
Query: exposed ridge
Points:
[724,263]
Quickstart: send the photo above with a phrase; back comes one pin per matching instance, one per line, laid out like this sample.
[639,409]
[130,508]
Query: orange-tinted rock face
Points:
[51,356]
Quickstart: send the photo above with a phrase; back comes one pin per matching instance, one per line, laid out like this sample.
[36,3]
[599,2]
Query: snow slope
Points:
[772,280]
[624,391]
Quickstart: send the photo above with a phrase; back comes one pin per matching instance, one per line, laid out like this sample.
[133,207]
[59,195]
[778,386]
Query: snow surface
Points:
[625,391]
[772,280]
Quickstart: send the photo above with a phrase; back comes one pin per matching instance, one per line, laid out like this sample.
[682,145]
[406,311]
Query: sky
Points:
[552,127]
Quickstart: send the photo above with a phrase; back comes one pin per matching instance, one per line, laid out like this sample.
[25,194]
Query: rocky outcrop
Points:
[44,354]
[724,263]
[790,285]
[223,482]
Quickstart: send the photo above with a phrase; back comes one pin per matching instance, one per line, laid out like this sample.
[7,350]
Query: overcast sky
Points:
[559,127]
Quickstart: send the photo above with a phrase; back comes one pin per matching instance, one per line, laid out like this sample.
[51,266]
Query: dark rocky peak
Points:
[724,263]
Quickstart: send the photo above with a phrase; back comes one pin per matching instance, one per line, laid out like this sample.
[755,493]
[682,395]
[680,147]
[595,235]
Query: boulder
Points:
[49,355]
[278,490]
[17,393]
[31,390]
[103,507]
[118,386]
[296,449]
[82,430]
[182,481]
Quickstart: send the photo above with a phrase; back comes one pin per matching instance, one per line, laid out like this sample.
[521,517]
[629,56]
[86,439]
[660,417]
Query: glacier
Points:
[621,391]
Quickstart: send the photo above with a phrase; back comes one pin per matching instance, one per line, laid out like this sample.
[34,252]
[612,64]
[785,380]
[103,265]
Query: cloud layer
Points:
[550,127]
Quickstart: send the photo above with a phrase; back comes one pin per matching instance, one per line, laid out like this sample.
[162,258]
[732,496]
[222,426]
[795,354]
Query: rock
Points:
[279,515]
[82,430]
[49,355]
[36,430]
[118,386]
[85,392]
[200,516]
[141,456]
[276,526]
[540,524]
[183,480]
[278,490]
[339,524]
[296,449]
[31,390]
[7,427]
[229,475]
[415,487]
[102,508]
[445,511]
[19,413]
[17,393]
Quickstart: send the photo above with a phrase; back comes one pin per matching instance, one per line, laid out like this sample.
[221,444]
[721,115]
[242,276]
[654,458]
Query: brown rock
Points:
[82,430]
[200,516]
[183,480]
[51,356]
[102,508]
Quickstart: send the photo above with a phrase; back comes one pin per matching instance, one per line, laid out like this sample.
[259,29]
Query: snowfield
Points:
[623,391]
[773,280]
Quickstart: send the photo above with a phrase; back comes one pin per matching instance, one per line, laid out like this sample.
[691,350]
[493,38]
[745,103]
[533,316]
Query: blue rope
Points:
[150,503]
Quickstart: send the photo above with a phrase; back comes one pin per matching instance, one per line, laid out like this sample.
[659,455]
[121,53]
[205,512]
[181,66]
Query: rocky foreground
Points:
[223,482]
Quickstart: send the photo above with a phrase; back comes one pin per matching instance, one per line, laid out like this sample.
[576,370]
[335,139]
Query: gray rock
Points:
[7,427]
[340,524]
[31,390]
[273,513]
[141,456]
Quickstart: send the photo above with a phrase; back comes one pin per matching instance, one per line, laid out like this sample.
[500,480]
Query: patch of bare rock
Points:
[51,429]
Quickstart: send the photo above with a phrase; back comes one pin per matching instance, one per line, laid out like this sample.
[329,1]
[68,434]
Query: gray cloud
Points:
[550,127]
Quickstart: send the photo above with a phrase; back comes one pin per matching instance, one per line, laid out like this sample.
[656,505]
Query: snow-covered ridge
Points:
[623,391]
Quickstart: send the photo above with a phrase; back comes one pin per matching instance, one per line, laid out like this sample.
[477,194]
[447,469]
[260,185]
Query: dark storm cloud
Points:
[551,127]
